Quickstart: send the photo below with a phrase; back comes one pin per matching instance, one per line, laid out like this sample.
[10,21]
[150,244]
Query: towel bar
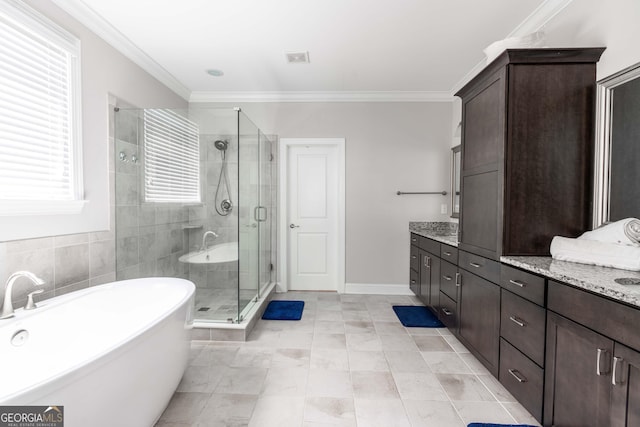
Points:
[401,193]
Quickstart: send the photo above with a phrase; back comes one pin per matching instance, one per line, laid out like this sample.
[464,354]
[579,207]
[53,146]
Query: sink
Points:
[223,252]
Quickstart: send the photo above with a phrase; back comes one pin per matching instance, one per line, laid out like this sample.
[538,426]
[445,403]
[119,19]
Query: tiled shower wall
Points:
[150,238]
[65,263]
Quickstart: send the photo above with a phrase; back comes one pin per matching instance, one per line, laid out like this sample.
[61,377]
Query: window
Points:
[172,158]
[40,131]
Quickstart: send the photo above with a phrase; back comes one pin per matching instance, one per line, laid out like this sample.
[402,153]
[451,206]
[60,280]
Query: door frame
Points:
[283,244]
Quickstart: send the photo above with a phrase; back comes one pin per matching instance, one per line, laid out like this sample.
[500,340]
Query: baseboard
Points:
[377,289]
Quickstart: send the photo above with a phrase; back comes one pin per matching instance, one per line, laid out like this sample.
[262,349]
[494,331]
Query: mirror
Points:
[617,174]
[455,181]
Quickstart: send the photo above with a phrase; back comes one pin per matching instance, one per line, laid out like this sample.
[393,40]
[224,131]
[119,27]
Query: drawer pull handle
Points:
[517,375]
[447,312]
[475,265]
[599,358]
[517,321]
[458,279]
[413,239]
[616,361]
[413,257]
[447,278]
[517,283]
[446,253]
[413,282]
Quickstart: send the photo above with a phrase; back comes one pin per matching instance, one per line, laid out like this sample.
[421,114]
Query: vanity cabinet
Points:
[527,148]
[592,361]
[425,270]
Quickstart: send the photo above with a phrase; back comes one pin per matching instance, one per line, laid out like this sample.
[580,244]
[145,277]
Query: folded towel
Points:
[605,254]
[624,232]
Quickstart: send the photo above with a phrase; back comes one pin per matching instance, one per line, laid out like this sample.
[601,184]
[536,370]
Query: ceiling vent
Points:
[297,57]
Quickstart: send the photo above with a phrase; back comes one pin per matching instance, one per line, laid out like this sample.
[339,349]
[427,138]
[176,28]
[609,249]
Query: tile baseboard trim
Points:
[377,289]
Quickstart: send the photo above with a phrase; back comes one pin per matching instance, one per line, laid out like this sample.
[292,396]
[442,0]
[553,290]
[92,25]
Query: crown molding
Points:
[339,96]
[532,23]
[94,22]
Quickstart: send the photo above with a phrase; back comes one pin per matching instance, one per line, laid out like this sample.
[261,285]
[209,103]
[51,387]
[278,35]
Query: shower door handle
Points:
[260,213]
[293,226]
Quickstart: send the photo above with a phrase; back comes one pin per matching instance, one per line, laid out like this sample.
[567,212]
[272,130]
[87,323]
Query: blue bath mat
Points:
[416,316]
[498,425]
[284,310]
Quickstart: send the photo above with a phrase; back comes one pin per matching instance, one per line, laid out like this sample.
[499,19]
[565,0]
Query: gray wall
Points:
[389,147]
[70,262]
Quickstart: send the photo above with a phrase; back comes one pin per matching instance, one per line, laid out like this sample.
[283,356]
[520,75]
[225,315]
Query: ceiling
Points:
[417,49]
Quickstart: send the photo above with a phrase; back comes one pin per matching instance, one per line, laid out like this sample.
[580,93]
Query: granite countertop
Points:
[443,232]
[599,280]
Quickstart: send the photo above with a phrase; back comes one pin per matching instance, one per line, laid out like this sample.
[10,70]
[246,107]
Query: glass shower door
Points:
[248,213]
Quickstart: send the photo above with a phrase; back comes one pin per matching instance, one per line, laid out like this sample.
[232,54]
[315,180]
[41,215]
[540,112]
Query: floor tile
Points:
[323,383]
[445,363]
[329,327]
[330,411]
[295,340]
[419,386]
[432,414]
[185,407]
[227,410]
[358,326]
[202,379]
[381,413]
[278,411]
[364,342]
[368,361]
[290,358]
[464,387]
[483,412]
[253,357]
[520,414]
[242,381]
[402,342]
[390,328]
[336,341]
[432,343]
[285,382]
[374,385]
[329,359]
[406,361]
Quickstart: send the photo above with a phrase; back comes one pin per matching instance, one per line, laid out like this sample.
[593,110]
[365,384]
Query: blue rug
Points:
[416,316]
[498,425]
[284,310]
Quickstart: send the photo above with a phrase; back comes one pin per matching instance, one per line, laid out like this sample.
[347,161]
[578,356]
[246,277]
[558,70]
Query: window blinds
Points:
[171,158]
[39,117]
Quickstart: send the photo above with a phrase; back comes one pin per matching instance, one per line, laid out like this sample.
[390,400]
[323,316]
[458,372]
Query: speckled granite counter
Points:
[443,232]
[599,280]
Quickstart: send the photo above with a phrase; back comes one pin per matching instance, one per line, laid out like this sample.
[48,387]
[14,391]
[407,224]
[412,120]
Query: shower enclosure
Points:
[195,198]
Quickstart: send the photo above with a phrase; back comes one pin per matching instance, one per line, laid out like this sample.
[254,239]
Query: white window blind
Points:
[39,114]
[171,158]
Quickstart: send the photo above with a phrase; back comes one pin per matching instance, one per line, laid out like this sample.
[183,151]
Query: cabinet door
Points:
[479,318]
[480,218]
[428,263]
[625,393]
[577,375]
[414,282]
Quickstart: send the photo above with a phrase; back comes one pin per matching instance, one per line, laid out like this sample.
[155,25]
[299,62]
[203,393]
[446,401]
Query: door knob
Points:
[293,226]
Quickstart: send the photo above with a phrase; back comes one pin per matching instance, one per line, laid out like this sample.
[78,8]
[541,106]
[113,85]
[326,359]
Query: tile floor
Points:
[348,362]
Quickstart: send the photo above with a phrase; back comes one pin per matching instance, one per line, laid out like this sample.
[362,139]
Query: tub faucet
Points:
[204,239]
[7,306]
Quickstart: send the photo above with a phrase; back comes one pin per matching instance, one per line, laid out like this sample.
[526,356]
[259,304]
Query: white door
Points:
[312,213]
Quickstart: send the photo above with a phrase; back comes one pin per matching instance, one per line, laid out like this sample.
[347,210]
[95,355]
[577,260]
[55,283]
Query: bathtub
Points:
[222,252]
[111,354]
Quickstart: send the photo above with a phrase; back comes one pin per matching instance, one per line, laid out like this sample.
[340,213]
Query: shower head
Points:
[221,144]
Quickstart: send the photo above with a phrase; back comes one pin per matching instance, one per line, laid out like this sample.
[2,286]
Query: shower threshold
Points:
[220,331]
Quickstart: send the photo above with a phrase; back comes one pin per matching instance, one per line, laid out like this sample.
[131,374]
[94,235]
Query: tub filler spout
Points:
[7,306]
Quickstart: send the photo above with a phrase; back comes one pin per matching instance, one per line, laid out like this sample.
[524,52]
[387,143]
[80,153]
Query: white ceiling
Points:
[419,48]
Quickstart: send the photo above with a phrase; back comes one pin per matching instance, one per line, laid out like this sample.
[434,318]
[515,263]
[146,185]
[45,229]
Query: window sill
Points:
[41,207]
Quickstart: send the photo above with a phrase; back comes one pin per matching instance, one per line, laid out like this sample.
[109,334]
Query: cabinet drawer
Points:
[449,279]
[415,258]
[414,239]
[525,284]
[522,323]
[610,318]
[480,266]
[430,245]
[522,377]
[449,253]
[448,312]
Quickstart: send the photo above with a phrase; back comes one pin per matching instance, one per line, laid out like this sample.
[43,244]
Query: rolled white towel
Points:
[625,232]
[592,252]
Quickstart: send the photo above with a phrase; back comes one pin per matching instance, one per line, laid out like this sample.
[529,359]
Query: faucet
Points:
[204,239]
[7,306]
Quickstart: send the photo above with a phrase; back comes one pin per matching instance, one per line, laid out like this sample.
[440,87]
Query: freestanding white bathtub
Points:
[112,355]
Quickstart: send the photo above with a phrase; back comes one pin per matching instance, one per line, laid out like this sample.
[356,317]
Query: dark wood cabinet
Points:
[479,318]
[527,148]
[577,375]
[424,273]
[625,392]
